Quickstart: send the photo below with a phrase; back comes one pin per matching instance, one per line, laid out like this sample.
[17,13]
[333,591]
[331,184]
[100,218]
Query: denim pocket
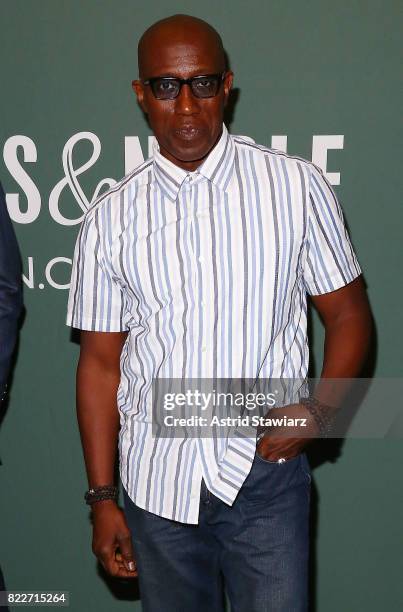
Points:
[268,479]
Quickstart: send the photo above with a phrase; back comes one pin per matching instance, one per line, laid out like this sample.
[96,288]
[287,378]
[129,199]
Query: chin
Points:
[190,153]
[192,156]
[191,150]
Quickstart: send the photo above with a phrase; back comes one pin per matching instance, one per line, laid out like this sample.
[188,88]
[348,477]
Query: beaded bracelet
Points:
[320,413]
[101,493]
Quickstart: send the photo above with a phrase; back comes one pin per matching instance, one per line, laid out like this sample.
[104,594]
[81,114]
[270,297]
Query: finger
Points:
[126,550]
[117,569]
[122,571]
[276,448]
[121,562]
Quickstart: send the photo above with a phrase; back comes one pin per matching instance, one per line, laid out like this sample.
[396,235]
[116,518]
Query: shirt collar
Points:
[217,167]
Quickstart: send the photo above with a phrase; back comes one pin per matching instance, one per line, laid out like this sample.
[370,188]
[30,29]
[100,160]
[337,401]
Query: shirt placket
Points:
[187,196]
[203,280]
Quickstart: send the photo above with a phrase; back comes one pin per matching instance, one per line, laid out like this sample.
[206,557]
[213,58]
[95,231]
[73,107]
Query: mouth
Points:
[188,132]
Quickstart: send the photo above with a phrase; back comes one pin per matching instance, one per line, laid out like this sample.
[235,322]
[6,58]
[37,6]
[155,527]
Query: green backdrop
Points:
[302,69]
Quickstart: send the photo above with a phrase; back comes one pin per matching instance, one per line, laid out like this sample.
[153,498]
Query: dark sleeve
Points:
[10,290]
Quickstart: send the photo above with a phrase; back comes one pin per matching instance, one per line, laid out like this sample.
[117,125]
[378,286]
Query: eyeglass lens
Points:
[169,88]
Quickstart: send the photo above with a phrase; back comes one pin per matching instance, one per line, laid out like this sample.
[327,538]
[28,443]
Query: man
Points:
[197,264]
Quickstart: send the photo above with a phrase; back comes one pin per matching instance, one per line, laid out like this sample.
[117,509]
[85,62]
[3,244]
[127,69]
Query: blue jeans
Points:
[257,548]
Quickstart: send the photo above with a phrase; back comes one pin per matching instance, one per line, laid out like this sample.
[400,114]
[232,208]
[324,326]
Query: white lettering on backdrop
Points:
[20,150]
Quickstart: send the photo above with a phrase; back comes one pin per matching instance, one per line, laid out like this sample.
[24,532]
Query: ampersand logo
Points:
[70,178]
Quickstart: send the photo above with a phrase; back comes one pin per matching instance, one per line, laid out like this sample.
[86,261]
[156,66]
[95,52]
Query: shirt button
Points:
[204,349]
[202,303]
[200,259]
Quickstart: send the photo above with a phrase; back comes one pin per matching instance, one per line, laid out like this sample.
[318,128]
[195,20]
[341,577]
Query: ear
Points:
[138,89]
[228,80]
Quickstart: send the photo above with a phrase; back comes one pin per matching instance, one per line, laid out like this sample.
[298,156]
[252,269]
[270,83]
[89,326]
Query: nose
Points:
[186,102]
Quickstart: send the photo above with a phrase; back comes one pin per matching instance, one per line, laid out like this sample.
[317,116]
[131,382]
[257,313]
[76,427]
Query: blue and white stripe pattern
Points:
[209,273]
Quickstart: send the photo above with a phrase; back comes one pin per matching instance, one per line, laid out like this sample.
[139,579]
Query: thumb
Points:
[126,549]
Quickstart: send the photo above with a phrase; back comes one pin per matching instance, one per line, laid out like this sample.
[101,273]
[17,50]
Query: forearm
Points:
[347,340]
[98,376]
[98,419]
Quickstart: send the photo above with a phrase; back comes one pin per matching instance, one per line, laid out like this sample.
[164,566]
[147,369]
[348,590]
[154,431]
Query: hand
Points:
[278,442]
[110,533]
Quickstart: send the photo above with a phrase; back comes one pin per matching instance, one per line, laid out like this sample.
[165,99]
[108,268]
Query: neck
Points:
[188,166]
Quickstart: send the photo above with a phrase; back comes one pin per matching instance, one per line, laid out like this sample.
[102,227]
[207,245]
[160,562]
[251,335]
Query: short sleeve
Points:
[96,300]
[330,261]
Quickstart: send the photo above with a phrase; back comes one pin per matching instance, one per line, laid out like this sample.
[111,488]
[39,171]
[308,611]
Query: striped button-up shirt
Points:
[209,273]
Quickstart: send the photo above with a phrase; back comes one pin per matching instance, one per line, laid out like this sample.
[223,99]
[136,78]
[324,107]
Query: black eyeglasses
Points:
[168,88]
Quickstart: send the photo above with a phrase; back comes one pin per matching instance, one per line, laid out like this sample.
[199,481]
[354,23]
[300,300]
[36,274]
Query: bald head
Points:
[179,31]
[186,125]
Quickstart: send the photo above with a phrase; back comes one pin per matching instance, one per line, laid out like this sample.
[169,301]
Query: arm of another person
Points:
[10,291]
[98,375]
